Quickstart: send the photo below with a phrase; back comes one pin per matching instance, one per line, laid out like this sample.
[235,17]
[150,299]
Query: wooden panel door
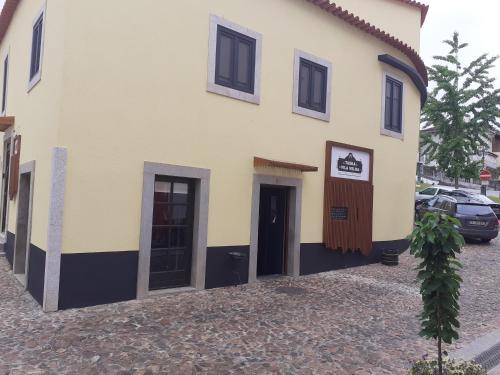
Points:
[348,207]
[349,216]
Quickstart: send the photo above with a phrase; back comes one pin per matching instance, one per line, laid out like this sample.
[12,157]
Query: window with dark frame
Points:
[235,60]
[4,87]
[393,118]
[36,47]
[312,86]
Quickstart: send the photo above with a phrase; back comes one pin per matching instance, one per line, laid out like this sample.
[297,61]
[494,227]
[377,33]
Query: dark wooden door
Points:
[272,231]
[172,233]
[349,216]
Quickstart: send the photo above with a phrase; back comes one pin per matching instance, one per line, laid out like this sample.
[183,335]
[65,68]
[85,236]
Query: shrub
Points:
[450,367]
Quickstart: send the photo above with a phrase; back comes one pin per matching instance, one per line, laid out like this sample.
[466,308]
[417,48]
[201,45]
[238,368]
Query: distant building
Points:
[489,156]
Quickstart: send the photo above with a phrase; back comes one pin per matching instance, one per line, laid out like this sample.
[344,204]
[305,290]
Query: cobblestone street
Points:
[355,321]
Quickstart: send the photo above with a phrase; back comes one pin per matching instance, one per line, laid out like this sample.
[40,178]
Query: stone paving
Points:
[354,321]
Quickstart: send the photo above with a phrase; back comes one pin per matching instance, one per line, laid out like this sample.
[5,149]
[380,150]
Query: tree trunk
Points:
[456,183]
[440,357]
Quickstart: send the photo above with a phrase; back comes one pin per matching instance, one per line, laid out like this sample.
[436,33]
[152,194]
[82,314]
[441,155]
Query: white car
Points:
[430,192]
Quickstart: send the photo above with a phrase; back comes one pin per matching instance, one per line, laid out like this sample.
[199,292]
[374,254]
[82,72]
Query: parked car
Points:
[478,219]
[431,192]
[478,197]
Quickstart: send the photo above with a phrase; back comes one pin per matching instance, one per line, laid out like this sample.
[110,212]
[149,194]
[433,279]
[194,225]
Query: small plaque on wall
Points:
[340,213]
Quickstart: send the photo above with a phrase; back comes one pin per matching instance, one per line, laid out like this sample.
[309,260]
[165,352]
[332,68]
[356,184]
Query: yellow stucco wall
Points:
[37,112]
[134,90]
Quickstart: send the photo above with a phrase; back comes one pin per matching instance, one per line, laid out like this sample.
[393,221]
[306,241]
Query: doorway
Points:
[273,231]
[172,233]
[23,223]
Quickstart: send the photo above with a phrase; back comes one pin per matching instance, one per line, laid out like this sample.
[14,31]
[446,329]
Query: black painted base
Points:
[36,273]
[9,248]
[91,279]
[316,258]
[36,267]
[225,267]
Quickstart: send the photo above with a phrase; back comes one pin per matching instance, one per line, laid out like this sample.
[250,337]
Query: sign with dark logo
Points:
[350,164]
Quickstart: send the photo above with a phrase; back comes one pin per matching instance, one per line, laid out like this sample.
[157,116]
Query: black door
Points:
[172,233]
[272,231]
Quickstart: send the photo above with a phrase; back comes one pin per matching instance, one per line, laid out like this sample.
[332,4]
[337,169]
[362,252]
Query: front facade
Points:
[153,147]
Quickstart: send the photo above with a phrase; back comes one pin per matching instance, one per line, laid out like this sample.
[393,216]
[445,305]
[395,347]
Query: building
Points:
[489,157]
[153,146]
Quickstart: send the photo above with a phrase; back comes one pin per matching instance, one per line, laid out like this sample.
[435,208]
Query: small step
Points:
[490,358]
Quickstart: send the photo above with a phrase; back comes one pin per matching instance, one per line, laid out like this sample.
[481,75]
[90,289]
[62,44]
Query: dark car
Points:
[478,219]
[481,198]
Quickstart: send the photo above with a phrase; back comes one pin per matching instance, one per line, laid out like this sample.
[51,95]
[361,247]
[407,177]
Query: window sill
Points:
[34,81]
[310,113]
[392,134]
[232,93]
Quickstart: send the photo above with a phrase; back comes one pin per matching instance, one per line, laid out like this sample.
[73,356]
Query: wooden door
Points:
[348,207]
[172,233]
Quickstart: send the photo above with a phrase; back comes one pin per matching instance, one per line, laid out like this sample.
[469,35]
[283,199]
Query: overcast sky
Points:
[476,20]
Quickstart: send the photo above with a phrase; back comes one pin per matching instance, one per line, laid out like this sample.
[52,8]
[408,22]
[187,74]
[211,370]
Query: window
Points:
[393,107]
[429,191]
[312,86]
[311,95]
[234,61]
[36,50]
[4,86]
[235,64]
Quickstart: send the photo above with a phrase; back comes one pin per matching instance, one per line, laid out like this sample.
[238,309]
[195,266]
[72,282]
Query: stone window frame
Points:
[299,54]
[200,227]
[294,222]
[212,87]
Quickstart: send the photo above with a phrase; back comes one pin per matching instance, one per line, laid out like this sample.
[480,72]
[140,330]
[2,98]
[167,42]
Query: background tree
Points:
[463,108]
[436,243]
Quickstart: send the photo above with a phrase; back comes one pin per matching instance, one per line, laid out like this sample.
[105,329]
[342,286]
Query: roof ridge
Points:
[382,35]
[424,8]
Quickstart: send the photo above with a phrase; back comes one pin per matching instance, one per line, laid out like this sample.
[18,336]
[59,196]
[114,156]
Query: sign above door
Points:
[350,164]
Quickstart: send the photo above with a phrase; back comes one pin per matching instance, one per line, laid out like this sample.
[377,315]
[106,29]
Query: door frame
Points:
[294,222]
[8,138]
[200,225]
[25,169]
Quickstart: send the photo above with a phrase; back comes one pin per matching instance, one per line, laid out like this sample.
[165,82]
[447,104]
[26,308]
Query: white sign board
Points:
[350,164]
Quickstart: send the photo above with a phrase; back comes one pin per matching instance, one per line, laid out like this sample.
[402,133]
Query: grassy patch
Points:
[495,199]
[420,187]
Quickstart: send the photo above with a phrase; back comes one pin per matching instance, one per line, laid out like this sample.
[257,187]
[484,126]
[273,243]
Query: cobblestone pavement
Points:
[355,321]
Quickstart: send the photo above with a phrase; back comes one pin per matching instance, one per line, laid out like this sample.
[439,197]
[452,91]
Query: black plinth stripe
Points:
[226,266]
[91,279]
[316,258]
[9,248]
[36,273]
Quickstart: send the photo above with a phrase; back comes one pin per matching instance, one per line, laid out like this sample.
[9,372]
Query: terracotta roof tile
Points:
[423,8]
[8,11]
[368,28]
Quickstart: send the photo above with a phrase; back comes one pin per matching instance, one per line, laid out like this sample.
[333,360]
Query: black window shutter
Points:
[313,86]
[235,60]
[36,47]
[4,87]
[393,116]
